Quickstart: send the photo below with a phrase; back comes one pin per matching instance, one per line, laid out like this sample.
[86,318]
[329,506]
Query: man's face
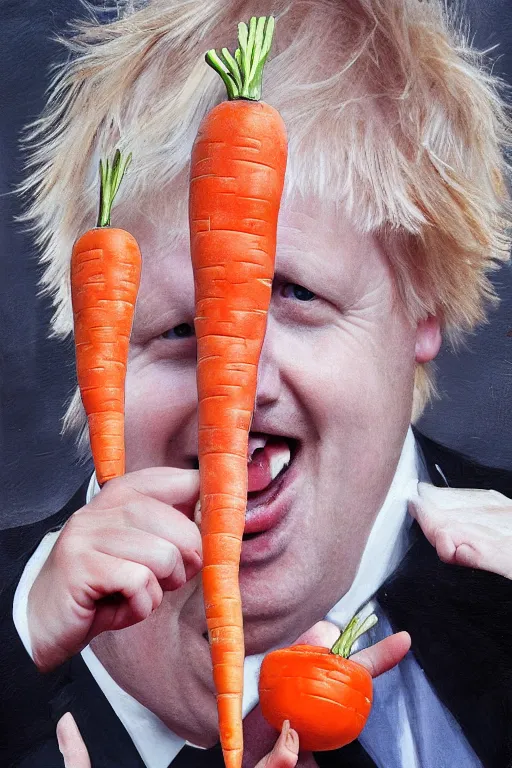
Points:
[334,397]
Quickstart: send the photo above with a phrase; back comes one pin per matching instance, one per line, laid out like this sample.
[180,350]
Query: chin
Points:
[276,611]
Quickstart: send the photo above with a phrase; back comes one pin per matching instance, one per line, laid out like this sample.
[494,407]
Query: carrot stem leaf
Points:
[214,60]
[242,72]
[233,68]
[353,631]
[111,176]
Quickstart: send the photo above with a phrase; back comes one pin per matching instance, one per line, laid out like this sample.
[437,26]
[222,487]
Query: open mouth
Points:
[269,458]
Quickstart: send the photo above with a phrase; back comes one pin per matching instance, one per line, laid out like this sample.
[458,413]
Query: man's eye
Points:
[182,331]
[295,291]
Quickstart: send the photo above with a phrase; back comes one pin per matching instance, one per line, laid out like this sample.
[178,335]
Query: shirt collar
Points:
[385,548]
[389,537]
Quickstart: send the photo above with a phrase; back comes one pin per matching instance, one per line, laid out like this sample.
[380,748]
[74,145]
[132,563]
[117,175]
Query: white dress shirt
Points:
[428,735]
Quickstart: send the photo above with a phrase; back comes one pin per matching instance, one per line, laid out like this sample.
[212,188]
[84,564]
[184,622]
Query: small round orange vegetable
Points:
[326,697]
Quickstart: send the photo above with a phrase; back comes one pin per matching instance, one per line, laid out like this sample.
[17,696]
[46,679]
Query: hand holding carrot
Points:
[113,560]
[326,695]
[259,735]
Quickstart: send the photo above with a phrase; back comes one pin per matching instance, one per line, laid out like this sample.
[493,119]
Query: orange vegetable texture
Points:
[236,183]
[105,278]
[326,698]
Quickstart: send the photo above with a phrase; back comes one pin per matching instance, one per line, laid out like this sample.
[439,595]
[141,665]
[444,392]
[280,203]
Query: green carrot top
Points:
[243,72]
[111,176]
[353,630]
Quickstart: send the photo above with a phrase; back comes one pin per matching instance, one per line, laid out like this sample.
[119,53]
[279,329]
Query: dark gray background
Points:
[38,469]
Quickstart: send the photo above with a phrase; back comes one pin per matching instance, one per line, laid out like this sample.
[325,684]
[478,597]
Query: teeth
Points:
[279,461]
[254,444]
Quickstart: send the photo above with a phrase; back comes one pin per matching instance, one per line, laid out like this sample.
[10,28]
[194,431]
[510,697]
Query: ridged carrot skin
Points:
[105,278]
[236,183]
[326,698]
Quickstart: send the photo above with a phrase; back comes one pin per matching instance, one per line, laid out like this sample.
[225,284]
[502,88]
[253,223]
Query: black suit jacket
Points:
[460,621]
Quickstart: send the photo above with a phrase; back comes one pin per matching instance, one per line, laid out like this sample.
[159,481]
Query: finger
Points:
[135,582]
[164,558]
[455,543]
[382,656]
[470,557]
[475,546]
[453,498]
[128,605]
[167,484]
[323,633]
[449,531]
[155,517]
[71,743]
[286,750]
[118,613]
[426,517]
[435,507]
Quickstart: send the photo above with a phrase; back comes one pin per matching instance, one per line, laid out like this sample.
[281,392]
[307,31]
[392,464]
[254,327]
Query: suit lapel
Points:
[460,471]
[460,621]
[106,739]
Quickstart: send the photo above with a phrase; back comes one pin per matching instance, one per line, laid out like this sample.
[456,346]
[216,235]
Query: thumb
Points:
[323,633]
[285,752]
[259,736]
[71,743]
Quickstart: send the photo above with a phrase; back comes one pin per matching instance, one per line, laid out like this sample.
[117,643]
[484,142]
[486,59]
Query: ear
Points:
[428,339]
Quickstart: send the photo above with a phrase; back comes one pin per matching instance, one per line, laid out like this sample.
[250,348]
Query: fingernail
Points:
[199,557]
[179,575]
[292,740]
[285,728]
[194,565]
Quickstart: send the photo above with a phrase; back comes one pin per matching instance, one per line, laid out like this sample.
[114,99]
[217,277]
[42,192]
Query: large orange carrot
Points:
[236,183]
[105,277]
[326,697]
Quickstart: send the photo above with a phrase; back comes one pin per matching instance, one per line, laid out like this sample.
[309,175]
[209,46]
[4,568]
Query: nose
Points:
[269,374]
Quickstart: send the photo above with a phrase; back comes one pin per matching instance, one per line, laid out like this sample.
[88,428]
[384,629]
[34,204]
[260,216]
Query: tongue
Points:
[259,470]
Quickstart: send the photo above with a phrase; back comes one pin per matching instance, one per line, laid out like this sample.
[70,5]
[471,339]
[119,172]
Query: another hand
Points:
[283,755]
[378,658]
[467,527]
[113,560]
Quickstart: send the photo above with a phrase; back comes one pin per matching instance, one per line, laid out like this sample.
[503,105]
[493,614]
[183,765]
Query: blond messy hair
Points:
[390,114]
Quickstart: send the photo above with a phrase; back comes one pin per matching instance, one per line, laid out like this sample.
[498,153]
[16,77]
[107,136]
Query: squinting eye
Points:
[292,290]
[182,331]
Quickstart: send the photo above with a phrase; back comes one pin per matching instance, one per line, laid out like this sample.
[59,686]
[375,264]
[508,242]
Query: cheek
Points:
[355,385]
[159,402]
[357,374]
